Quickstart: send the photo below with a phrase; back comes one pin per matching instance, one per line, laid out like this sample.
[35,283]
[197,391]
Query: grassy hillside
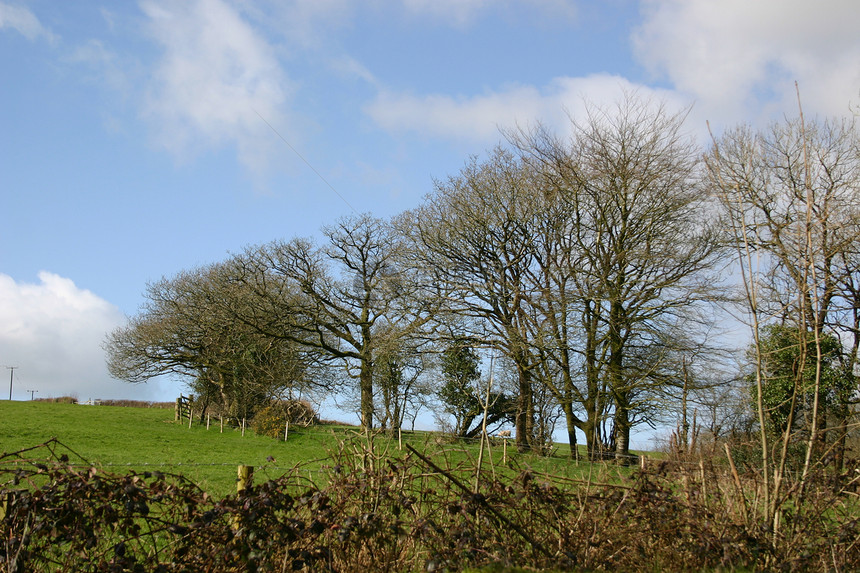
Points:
[141,438]
[119,438]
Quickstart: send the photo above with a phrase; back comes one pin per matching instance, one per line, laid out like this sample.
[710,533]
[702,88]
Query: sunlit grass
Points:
[119,439]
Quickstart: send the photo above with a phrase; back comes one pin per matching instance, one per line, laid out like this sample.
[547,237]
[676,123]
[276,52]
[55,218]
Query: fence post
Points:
[178,414]
[246,476]
[5,505]
[243,482]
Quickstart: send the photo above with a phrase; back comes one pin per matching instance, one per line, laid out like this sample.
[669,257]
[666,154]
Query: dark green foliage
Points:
[463,397]
[390,384]
[395,375]
[459,393]
[789,361]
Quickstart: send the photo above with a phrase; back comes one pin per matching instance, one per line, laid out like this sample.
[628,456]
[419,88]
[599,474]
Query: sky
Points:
[140,139]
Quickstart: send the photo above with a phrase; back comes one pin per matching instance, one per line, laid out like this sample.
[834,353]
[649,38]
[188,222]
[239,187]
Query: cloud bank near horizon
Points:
[52,332]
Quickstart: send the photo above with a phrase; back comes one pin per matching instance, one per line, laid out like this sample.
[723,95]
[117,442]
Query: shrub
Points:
[271,420]
[138,404]
[59,400]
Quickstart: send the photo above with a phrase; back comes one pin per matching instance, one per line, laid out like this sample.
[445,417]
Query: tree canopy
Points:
[593,264]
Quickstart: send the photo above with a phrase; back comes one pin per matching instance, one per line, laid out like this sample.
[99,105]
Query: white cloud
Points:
[350,68]
[24,21]
[216,75]
[478,119]
[310,23]
[52,332]
[738,57]
[458,12]
[104,67]
[735,60]
[461,13]
[474,118]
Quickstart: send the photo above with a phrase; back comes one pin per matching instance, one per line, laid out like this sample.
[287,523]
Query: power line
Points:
[306,161]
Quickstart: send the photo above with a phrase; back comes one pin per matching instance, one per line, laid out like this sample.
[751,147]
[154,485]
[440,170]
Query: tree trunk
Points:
[572,423]
[571,438]
[525,407]
[617,382]
[592,445]
[622,431]
[366,385]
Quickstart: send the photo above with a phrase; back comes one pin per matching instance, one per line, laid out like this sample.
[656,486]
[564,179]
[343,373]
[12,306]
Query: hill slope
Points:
[147,438]
[121,438]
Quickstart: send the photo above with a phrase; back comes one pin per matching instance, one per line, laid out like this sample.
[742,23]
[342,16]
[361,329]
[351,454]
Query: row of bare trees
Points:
[594,264]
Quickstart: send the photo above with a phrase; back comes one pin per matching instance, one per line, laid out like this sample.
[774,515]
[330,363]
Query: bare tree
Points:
[627,256]
[352,295]
[472,236]
[401,383]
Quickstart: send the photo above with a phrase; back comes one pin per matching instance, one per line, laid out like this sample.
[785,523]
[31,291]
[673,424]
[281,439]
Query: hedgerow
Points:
[375,513]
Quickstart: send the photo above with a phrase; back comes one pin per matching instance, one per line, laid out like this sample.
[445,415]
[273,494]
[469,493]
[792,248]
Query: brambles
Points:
[378,514]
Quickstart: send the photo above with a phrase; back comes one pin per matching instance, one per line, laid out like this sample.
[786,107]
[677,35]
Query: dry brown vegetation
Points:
[376,513]
[122,403]
[59,400]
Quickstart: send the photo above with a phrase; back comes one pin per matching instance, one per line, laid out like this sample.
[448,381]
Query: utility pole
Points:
[11,377]
[32,392]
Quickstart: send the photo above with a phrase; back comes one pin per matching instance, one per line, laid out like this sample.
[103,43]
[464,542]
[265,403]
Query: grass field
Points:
[120,439]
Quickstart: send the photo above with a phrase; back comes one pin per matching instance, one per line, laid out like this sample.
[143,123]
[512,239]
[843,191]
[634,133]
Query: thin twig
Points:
[481,500]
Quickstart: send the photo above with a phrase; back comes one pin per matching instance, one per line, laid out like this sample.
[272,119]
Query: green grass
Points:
[120,439]
[147,438]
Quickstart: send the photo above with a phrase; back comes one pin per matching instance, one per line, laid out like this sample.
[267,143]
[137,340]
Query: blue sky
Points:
[134,140]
